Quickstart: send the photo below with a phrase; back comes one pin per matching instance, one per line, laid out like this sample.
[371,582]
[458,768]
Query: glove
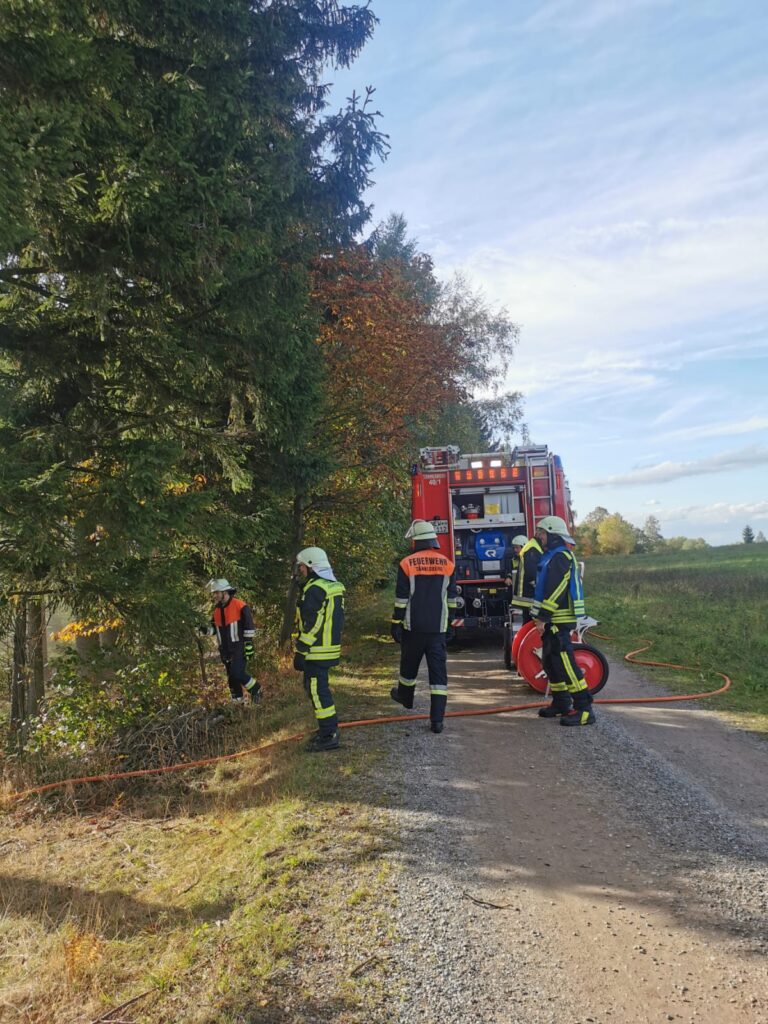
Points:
[396,631]
[248,649]
[298,662]
[452,628]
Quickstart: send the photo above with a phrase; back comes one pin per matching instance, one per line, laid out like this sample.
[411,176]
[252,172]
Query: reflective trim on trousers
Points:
[575,682]
[320,711]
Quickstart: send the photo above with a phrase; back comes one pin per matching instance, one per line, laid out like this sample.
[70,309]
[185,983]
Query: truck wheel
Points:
[508,663]
[593,664]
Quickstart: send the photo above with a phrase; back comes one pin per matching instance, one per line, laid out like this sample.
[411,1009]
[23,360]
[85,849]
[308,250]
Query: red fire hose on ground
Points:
[384,720]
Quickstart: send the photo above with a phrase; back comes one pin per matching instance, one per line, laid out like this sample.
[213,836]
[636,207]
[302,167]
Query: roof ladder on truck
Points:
[537,458]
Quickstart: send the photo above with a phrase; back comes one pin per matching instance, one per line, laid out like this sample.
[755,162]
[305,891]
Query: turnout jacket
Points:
[525,581]
[233,625]
[559,595]
[425,593]
[319,620]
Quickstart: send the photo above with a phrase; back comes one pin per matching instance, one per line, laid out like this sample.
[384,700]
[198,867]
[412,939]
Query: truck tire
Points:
[508,662]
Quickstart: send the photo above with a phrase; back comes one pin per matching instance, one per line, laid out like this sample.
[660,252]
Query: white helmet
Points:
[420,529]
[519,541]
[220,584]
[556,525]
[313,558]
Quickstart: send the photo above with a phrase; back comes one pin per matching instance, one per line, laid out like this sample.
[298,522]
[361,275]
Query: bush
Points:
[88,707]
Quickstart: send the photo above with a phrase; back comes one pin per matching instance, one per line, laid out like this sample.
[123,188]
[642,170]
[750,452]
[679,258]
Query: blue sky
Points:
[600,168]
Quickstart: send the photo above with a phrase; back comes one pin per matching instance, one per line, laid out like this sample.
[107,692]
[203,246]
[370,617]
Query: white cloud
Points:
[585,15]
[586,299]
[681,407]
[717,512]
[754,455]
[747,426]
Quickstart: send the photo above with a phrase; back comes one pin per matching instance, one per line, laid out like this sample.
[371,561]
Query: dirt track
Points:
[627,862]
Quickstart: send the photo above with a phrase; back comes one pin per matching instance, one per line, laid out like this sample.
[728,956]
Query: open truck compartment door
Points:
[478,503]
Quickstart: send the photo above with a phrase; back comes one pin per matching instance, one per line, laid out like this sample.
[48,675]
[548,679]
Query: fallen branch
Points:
[189,887]
[105,1018]
[485,903]
[355,972]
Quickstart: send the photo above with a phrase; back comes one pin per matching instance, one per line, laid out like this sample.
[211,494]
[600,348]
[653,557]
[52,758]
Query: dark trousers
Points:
[413,648]
[237,671]
[318,690]
[565,676]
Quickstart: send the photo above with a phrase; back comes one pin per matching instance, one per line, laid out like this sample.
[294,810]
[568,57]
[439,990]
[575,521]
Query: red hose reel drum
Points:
[523,631]
[527,658]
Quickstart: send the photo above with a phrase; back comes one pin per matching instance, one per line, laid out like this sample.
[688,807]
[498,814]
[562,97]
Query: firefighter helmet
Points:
[557,526]
[313,558]
[420,529]
[220,584]
[519,541]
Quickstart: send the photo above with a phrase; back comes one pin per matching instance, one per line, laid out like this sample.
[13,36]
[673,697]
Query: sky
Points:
[600,169]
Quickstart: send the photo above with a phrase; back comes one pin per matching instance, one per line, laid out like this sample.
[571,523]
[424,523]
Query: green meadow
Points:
[707,609]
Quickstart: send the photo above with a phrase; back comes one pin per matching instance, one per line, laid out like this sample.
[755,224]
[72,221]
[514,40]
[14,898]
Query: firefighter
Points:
[425,596]
[529,554]
[232,625]
[317,640]
[558,601]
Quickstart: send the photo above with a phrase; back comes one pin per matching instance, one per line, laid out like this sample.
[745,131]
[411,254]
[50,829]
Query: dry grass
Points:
[207,894]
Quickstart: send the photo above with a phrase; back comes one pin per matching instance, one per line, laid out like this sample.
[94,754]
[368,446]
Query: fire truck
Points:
[478,504]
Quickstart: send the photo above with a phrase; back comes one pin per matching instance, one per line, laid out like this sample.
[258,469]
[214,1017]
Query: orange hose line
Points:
[139,773]
[383,720]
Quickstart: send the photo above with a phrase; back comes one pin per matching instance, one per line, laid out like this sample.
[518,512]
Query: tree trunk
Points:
[36,656]
[201,656]
[297,539]
[19,671]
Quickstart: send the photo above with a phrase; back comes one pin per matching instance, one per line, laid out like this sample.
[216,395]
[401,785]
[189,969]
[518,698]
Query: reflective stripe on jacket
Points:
[425,593]
[233,624]
[525,581]
[320,620]
[559,595]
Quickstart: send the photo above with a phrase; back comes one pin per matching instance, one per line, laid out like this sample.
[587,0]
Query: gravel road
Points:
[612,873]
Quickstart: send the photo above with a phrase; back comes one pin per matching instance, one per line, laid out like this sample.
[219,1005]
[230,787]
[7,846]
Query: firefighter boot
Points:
[561,705]
[582,713]
[320,742]
[437,702]
[253,689]
[402,695]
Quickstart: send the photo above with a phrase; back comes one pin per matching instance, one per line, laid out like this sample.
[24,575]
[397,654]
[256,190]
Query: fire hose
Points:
[260,751]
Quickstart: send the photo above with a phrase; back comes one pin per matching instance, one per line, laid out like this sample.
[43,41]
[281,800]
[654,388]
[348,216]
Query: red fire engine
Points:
[478,504]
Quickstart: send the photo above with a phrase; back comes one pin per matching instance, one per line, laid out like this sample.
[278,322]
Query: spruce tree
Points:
[169,174]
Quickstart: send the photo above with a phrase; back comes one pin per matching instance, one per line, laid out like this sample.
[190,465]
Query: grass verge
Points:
[253,891]
[707,609]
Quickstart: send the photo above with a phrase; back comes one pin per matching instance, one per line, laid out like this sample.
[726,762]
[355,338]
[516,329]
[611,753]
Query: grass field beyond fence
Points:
[708,609]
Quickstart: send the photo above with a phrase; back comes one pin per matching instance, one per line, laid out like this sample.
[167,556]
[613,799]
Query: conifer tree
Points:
[168,176]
